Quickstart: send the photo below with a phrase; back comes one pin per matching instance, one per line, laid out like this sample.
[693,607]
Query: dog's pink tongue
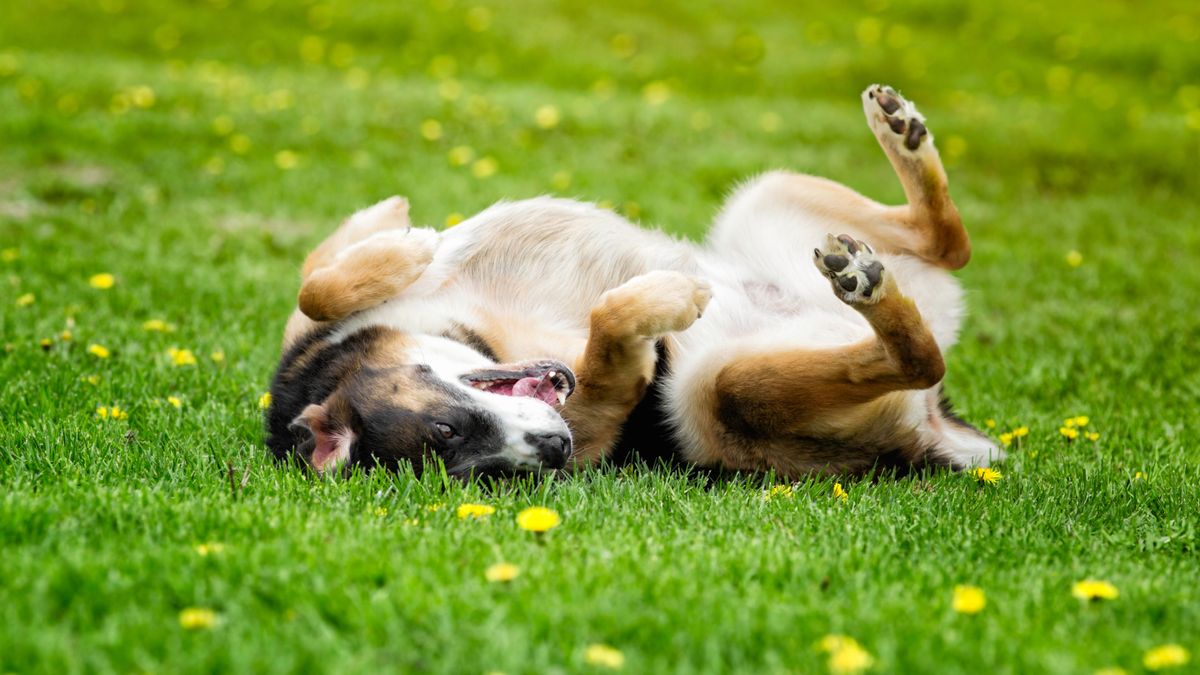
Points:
[536,387]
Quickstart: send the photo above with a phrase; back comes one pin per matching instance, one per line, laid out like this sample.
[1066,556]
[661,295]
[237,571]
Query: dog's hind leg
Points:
[771,405]
[930,213]
[781,206]
[618,360]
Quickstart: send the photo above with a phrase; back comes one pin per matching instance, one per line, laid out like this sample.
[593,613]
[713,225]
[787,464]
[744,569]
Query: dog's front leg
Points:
[618,360]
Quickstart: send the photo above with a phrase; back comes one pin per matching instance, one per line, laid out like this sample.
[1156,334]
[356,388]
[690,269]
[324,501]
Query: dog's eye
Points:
[446,430]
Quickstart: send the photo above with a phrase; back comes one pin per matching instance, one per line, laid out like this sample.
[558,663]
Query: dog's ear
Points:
[332,438]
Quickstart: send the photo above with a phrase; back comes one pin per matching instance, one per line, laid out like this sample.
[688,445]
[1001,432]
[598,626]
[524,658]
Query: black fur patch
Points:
[308,373]
[646,434]
[947,410]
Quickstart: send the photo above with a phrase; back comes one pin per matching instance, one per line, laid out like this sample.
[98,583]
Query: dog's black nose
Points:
[552,449]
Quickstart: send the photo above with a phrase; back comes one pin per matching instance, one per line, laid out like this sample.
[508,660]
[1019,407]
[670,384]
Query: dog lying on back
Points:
[544,333]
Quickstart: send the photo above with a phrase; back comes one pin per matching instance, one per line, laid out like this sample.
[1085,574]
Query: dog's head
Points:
[448,402]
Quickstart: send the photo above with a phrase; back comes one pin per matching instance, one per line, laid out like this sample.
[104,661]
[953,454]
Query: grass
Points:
[197,150]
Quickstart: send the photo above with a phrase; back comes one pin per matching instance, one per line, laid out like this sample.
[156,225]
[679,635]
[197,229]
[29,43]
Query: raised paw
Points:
[654,304]
[855,273]
[893,118]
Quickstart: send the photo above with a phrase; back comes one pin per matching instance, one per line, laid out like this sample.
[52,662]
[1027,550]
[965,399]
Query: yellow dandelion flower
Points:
[1020,432]
[66,336]
[175,402]
[431,130]
[502,572]
[1092,589]
[1074,258]
[990,423]
[46,343]
[380,511]
[839,492]
[475,511]
[657,92]
[1166,656]
[1113,670]
[538,519]
[197,618]
[1006,439]
[142,96]
[287,160]
[547,116]
[460,155]
[91,379]
[264,401]
[1092,435]
[113,413]
[454,219]
[103,281]
[98,351]
[485,167]
[1139,476]
[969,599]
[25,300]
[240,144]
[181,357]
[853,659]
[217,356]
[604,656]
[1082,421]
[157,325]
[1071,433]
[778,492]
[9,254]
[845,654]
[209,548]
[222,125]
[987,475]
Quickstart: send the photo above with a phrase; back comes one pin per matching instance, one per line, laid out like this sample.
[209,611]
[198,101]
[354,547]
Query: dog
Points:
[549,333]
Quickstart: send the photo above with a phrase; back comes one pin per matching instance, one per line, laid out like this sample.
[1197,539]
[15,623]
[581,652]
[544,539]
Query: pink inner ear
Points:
[332,448]
[332,445]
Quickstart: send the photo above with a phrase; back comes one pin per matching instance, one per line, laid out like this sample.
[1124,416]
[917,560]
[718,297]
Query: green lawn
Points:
[196,150]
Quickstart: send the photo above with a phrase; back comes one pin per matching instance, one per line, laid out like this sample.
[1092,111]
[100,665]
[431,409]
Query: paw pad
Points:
[899,115]
[855,273]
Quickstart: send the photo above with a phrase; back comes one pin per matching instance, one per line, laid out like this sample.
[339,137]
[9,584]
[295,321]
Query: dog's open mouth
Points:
[548,381]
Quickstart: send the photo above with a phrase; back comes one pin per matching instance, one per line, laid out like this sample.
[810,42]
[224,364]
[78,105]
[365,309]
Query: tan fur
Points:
[362,277]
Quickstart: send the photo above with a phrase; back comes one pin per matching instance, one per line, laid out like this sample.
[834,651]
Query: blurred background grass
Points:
[196,150]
